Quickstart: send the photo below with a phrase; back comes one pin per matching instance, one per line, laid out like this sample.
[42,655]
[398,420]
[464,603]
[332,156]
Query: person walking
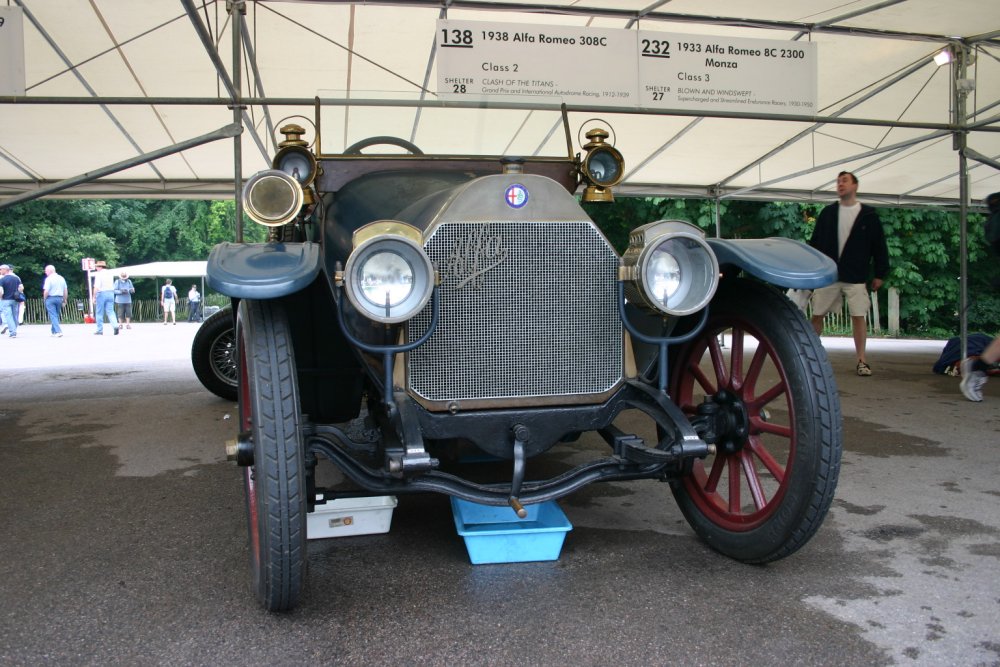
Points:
[21,305]
[104,298]
[850,233]
[10,287]
[168,300]
[124,289]
[194,304]
[56,296]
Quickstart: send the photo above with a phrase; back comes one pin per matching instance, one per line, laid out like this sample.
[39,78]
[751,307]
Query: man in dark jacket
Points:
[850,233]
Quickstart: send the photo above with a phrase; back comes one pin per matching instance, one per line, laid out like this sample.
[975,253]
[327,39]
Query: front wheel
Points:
[770,484]
[275,483]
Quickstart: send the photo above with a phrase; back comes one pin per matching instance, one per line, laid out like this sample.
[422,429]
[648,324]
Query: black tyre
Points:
[275,483]
[767,489]
[213,355]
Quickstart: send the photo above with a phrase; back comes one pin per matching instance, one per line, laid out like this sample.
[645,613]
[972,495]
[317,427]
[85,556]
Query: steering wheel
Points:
[355,148]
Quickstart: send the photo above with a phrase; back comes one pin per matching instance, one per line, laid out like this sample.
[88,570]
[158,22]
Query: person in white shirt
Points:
[194,304]
[850,233]
[168,299]
[104,298]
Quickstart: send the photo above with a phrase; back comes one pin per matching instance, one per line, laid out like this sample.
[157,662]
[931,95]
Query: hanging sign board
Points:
[549,63]
[624,68]
[678,71]
[11,51]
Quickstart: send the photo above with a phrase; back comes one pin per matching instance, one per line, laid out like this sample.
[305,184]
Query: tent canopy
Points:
[110,80]
[187,269]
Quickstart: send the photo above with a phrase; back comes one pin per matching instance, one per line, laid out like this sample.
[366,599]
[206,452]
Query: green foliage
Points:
[923,244]
[923,251]
[62,232]
[618,219]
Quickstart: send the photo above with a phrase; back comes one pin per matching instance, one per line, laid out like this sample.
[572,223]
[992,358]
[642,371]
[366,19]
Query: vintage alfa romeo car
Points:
[468,302]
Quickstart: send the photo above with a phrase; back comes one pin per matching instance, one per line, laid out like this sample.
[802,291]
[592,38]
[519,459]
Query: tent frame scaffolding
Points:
[961,125]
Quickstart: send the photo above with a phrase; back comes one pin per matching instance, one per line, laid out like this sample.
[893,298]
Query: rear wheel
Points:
[213,355]
[275,483]
[769,486]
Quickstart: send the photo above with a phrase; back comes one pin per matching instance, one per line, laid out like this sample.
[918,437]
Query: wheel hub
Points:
[726,420]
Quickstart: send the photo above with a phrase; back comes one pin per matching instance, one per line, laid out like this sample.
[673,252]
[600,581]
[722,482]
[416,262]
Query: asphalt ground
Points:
[124,542]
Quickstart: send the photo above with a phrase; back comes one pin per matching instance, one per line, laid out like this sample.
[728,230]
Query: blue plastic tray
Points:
[496,535]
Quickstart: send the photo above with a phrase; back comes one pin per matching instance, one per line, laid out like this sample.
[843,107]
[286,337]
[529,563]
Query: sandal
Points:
[864,370]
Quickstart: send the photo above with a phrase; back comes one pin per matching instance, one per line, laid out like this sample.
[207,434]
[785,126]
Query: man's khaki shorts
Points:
[827,298]
[169,306]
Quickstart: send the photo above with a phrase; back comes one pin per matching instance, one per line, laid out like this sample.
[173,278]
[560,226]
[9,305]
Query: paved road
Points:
[123,541]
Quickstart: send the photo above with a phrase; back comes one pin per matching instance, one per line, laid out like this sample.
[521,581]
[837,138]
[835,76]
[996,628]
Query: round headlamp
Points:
[272,198]
[298,162]
[389,278]
[672,268]
[604,166]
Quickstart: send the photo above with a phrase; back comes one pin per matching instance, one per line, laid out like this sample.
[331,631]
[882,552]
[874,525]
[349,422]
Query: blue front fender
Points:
[262,270]
[779,261]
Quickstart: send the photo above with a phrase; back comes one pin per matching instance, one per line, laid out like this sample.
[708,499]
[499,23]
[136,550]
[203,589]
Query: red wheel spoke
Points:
[756,365]
[753,480]
[734,484]
[768,396]
[760,451]
[736,364]
[767,427]
[702,379]
[712,483]
[718,363]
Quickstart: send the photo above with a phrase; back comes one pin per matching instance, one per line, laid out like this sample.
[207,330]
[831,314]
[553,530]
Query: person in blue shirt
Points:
[56,295]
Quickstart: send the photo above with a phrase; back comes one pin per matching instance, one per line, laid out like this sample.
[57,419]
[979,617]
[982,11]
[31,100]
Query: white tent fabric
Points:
[108,80]
[185,269]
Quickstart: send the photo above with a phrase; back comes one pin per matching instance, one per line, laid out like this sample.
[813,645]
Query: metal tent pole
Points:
[237,8]
[959,71]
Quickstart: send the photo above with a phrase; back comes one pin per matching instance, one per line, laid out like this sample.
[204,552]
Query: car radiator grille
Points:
[527,310]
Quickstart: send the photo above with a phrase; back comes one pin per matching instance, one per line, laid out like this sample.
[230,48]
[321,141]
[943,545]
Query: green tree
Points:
[57,232]
[121,231]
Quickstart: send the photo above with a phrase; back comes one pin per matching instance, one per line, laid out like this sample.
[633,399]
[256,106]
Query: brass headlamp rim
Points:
[291,210]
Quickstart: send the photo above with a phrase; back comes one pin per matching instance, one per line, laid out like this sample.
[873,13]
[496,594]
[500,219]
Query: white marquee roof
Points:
[144,60]
[174,269]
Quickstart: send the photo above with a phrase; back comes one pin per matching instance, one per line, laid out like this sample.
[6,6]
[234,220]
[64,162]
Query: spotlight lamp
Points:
[295,159]
[602,168]
[944,56]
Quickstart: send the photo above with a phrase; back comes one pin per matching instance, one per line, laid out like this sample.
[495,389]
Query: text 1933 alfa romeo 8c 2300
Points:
[469,302]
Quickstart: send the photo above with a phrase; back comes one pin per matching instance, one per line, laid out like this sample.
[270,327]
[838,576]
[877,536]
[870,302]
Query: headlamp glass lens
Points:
[386,279]
[663,275]
[272,198]
[297,166]
[602,167]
